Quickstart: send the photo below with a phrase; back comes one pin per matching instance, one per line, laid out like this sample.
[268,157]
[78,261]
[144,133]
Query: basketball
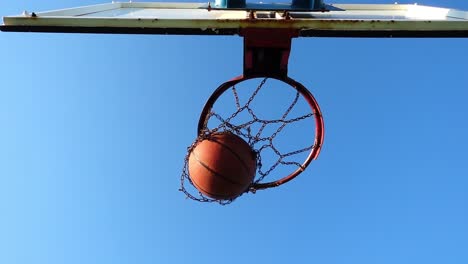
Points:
[222,166]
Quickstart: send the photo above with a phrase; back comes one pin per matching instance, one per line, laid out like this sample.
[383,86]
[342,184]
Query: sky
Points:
[94,130]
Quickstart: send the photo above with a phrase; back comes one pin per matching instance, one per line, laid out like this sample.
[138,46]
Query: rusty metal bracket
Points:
[266,51]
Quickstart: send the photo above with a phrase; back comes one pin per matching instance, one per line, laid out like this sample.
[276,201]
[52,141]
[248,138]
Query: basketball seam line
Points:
[233,153]
[214,172]
[211,193]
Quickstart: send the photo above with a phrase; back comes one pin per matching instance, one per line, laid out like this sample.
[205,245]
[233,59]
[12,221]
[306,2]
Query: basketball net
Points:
[260,134]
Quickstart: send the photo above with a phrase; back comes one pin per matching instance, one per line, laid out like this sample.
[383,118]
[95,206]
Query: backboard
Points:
[330,20]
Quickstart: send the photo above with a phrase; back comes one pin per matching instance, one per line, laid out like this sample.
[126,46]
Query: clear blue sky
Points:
[94,129]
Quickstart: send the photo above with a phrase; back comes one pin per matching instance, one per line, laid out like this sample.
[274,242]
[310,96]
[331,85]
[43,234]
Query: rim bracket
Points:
[266,51]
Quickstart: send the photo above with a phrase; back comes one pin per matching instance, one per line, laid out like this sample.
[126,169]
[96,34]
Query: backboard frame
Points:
[337,20]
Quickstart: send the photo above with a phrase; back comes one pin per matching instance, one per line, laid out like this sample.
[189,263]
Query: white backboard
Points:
[339,20]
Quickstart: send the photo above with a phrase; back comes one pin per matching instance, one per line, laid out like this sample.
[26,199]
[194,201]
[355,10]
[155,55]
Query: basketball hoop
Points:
[314,150]
[251,128]
[266,54]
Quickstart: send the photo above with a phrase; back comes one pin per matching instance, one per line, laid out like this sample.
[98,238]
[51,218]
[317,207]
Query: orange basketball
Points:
[222,166]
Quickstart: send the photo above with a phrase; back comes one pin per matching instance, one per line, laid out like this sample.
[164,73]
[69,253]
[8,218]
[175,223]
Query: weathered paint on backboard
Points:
[336,20]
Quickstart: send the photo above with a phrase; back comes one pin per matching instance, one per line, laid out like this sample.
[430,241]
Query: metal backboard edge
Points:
[344,20]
